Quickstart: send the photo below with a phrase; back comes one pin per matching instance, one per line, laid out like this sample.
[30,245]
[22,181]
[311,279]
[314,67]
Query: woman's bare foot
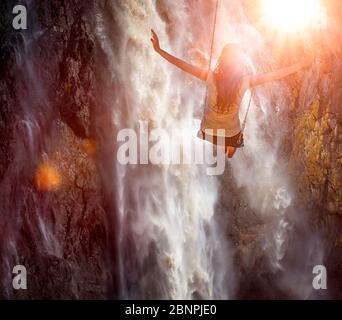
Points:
[230,152]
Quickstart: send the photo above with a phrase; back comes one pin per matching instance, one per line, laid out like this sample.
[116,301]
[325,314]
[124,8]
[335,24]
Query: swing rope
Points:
[214,33]
[247,112]
[209,69]
[212,46]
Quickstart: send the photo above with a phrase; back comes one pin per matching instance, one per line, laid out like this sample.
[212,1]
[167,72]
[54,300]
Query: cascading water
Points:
[168,248]
[171,249]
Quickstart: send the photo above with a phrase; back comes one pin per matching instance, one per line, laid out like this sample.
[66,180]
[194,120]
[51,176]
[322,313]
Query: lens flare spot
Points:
[47,178]
[90,146]
[293,15]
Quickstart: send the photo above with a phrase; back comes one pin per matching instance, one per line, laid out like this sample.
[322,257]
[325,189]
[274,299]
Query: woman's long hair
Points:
[228,76]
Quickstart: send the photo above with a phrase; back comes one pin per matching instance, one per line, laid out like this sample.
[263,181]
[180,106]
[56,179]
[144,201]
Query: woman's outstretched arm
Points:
[260,79]
[195,71]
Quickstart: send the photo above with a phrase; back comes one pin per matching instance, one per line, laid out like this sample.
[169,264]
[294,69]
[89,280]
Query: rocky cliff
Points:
[52,216]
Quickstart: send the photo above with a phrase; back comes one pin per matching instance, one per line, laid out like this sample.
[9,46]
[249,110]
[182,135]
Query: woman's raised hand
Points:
[181,64]
[155,41]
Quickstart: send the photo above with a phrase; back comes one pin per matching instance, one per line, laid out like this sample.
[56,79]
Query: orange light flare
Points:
[47,178]
[294,15]
[90,146]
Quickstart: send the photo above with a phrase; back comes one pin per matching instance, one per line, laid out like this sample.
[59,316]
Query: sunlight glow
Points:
[47,178]
[294,15]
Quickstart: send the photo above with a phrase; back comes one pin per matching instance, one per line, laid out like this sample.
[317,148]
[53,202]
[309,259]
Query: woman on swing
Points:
[227,85]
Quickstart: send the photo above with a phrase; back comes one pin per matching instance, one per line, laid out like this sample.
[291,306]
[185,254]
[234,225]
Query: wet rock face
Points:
[52,219]
[67,42]
[316,125]
[317,128]
[316,159]
[312,148]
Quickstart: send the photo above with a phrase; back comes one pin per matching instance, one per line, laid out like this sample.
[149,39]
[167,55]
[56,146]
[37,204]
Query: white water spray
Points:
[170,244]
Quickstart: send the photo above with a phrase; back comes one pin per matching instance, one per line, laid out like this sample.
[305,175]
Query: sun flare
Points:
[47,178]
[294,15]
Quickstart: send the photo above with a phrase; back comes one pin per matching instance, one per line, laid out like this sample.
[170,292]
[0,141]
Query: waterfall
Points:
[170,245]
[171,242]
